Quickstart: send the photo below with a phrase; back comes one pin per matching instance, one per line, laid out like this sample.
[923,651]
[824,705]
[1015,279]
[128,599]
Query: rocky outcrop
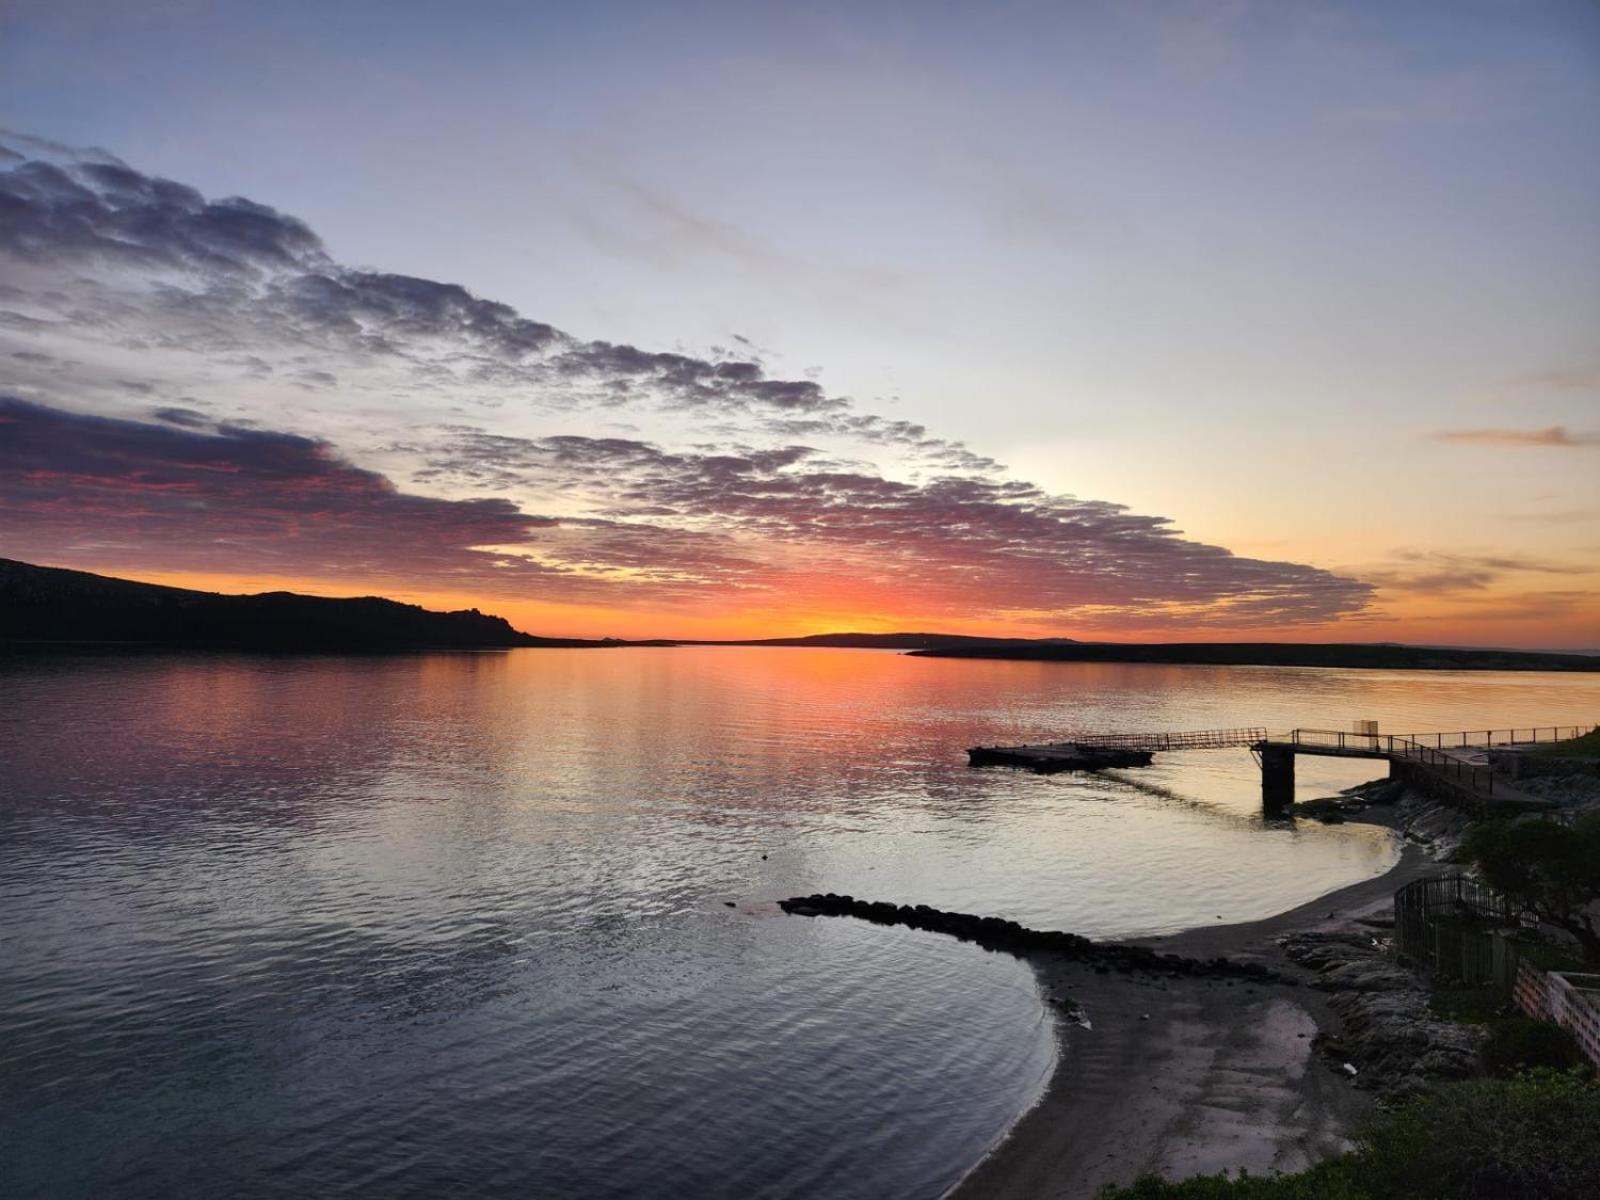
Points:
[1387,1031]
[993,933]
[1437,827]
[1334,810]
[1575,789]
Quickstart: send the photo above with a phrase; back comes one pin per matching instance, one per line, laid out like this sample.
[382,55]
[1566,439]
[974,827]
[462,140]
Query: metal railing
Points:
[1472,739]
[1430,750]
[1473,776]
[1194,739]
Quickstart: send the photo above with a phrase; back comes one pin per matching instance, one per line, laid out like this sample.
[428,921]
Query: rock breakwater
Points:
[995,933]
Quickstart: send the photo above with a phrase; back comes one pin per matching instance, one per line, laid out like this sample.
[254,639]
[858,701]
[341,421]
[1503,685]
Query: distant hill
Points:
[48,604]
[1383,656]
[53,605]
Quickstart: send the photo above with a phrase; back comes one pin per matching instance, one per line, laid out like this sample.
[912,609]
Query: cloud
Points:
[768,492]
[1421,572]
[1553,435]
[99,490]
[70,481]
[234,276]
[1562,516]
[1560,379]
[661,527]
[956,543]
[187,417]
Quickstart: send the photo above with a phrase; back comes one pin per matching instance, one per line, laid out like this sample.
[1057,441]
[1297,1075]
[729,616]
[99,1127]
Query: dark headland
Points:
[48,605]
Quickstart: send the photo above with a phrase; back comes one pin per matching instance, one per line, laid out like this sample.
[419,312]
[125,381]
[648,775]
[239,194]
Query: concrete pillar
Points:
[1277,779]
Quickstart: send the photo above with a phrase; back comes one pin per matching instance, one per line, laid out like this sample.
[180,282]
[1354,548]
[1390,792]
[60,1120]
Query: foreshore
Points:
[1182,1075]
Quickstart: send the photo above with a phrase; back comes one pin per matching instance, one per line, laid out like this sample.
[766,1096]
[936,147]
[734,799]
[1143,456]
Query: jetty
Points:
[1452,766]
[1094,751]
[1047,759]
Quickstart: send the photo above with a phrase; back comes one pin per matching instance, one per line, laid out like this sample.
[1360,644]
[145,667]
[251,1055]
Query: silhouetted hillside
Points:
[47,604]
[1383,656]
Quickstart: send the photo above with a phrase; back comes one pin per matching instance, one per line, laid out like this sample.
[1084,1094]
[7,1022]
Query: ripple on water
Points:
[454,924]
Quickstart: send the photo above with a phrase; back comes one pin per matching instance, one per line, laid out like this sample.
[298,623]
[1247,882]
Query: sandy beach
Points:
[1182,1076]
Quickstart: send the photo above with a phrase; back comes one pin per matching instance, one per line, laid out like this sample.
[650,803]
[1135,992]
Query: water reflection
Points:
[414,925]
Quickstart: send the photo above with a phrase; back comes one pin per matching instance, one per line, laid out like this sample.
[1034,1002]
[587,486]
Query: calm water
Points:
[455,924]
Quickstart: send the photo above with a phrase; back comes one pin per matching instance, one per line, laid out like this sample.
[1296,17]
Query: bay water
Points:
[503,924]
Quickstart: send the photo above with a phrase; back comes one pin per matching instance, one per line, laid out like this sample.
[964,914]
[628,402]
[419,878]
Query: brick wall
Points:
[1569,998]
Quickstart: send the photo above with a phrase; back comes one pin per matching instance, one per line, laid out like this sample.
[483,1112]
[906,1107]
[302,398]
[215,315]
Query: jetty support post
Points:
[1277,779]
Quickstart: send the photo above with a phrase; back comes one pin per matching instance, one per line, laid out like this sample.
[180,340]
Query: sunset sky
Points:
[1187,320]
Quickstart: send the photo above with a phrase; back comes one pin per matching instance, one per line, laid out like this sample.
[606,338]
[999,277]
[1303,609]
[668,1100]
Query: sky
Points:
[1183,320]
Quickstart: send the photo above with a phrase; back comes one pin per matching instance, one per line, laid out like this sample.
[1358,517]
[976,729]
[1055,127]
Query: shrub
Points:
[1521,1043]
[1329,1180]
[1536,1137]
[1587,746]
[1468,1005]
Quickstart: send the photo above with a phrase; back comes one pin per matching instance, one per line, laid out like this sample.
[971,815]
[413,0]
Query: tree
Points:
[1551,869]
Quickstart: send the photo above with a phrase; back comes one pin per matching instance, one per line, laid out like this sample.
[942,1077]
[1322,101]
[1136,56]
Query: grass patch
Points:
[1587,746]
[1517,1044]
[1468,1005]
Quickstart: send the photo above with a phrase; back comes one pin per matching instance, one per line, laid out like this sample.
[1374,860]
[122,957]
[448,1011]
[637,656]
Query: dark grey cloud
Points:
[223,276]
[110,214]
[668,526]
[957,542]
[97,490]
[103,251]
[189,418]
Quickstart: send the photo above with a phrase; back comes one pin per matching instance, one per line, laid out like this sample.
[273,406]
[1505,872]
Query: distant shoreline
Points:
[1360,656]
[1333,656]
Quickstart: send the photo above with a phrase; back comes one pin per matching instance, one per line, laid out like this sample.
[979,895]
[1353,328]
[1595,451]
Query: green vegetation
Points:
[1331,1180]
[1551,869]
[1517,1044]
[1548,955]
[1469,1005]
[1587,746]
[1534,1137]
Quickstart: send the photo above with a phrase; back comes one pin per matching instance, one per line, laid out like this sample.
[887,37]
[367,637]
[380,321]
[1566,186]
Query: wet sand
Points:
[1184,1076]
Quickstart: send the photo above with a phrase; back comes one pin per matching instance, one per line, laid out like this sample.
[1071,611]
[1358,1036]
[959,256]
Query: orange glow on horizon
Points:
[1484,620]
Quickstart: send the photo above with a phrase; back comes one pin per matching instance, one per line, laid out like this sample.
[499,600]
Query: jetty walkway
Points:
[1453,766]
